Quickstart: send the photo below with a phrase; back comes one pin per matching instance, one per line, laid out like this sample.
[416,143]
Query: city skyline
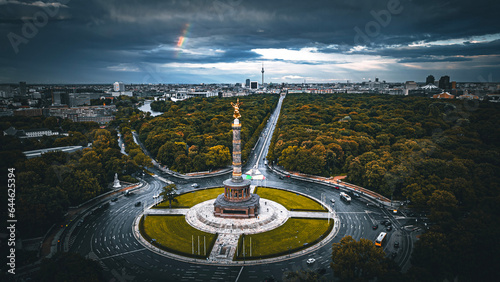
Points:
[227,41]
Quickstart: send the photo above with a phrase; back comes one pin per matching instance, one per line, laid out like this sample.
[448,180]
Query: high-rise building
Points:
[118,87]
[430,80]
[247,83]
[254,85]
[444,82]
[22,88]
[56,98]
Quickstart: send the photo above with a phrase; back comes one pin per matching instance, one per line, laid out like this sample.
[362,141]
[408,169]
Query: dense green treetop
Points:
[441,155]
[195,134]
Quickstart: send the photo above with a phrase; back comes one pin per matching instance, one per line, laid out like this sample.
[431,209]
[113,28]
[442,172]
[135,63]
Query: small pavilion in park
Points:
[237,201]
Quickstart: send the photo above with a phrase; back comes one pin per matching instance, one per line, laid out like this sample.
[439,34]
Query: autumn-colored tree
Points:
[357,260]
[169,193]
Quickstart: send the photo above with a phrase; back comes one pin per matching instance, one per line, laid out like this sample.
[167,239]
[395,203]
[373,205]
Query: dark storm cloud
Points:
[105,33]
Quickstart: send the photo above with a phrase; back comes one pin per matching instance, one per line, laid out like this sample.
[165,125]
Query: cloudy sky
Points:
[194,41]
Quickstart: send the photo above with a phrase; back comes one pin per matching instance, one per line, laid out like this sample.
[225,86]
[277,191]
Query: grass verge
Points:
[193,198]
[173,234]
[290,200]
[296,234]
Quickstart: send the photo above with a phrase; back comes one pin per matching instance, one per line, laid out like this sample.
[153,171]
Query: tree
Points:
[70,267]
[303,276]
[169,194]
[357,261]
[218,156]
[444,207]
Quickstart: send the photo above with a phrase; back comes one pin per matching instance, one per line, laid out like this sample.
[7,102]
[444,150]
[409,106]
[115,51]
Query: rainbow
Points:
[183,38]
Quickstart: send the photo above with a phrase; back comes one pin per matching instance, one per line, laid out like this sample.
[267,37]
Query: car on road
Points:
[345,197]
[388,228]
[114,199]
[281,177]
[375,226]
[195,185]
[310,261]
[396,244]
[138,204]
[333,201]
[354,194]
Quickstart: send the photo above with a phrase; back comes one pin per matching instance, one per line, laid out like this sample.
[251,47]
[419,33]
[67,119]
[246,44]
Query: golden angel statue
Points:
[236,107]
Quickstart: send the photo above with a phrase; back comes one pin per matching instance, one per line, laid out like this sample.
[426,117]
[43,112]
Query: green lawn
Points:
[174,234]
[290,200]
[289,237]
[190,199]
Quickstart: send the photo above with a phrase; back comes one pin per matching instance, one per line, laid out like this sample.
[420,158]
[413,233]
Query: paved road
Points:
[106,233]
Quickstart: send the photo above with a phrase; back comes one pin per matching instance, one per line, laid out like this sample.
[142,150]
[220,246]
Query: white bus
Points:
[380,239]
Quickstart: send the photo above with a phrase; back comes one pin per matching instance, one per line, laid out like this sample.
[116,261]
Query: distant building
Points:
[82,99]
[468,96]
[29,133]
[22,88]
[100,114]
[493,98]
[118,87]
[38,153]
[444,95]
[56,98]
[60,98]
[254,85]
[444,82]
[204,94]
[31,112]
[247,83]
[5,91]
[430,80]
[410,85]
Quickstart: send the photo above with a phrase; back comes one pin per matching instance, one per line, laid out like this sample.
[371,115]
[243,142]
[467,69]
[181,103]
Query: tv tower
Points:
[262,75]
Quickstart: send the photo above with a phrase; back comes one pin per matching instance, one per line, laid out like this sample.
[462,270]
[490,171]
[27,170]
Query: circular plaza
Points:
[288,224]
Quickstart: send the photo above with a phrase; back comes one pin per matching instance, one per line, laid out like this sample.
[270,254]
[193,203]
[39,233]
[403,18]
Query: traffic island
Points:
[194,233]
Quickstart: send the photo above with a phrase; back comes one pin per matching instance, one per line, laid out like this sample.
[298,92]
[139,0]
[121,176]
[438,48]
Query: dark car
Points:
[114,200]
[389,228]
[396,244]
[137,204]
[375,226]
[281,177]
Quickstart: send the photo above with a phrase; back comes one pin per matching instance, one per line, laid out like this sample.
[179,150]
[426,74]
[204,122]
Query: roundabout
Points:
[195,234]
[111,236]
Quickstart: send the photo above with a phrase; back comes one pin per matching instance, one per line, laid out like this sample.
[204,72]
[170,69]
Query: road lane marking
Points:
[120,254]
